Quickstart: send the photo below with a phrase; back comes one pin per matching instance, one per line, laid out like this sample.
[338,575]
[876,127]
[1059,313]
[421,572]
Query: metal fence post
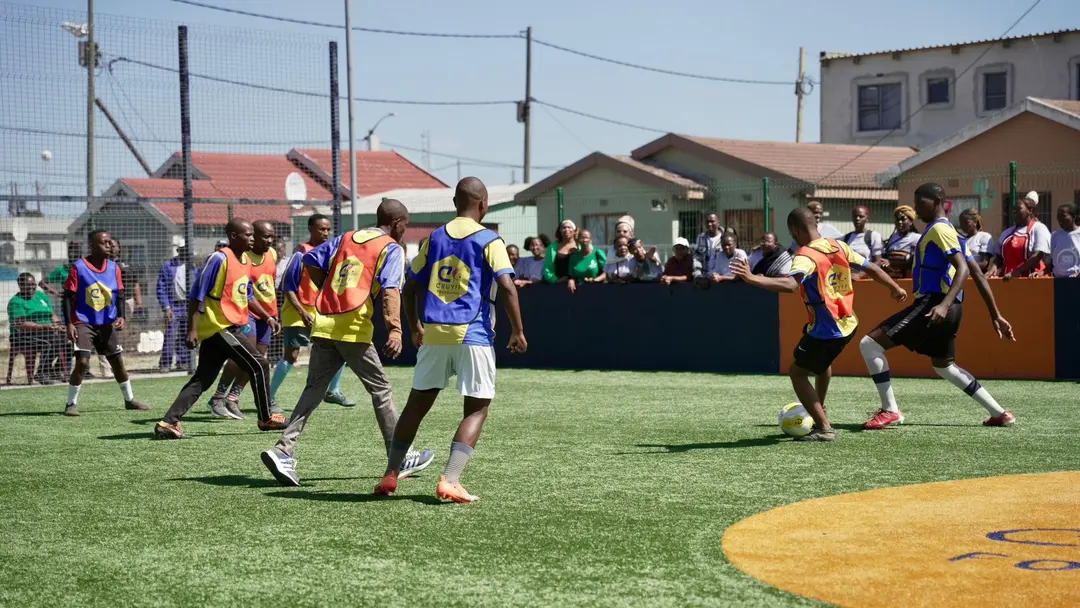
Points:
[765,204]
[1012,187]
[561,200]
[185,147]
[335,138]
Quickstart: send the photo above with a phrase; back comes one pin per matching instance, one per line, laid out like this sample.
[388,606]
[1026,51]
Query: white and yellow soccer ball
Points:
[795,420]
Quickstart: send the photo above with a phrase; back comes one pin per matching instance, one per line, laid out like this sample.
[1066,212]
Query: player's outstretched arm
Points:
[880,276]
[509,297]
[1001,325]
[778,284]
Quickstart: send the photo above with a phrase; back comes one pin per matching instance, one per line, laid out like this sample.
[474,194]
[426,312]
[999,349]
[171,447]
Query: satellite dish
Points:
[295,188]
[20,229]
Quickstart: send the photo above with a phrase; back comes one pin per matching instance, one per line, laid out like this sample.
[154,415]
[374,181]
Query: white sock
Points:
[73,393]
[125,388]
[878,366]
[964,381]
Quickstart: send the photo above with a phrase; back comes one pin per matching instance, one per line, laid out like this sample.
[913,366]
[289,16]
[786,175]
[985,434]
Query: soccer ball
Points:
[794,420]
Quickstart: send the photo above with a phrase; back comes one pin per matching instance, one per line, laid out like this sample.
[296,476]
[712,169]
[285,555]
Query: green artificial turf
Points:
[598,489]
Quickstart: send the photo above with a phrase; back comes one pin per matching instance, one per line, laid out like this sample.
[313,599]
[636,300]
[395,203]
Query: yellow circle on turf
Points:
[1011,540]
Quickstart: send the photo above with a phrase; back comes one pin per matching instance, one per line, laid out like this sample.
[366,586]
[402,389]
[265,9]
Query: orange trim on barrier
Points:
[1027,303]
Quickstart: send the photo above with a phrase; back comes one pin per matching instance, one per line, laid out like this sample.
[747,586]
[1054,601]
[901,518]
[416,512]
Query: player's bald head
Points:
[801,218]
[263,227]
[390,210]
[237,225]
[470,194]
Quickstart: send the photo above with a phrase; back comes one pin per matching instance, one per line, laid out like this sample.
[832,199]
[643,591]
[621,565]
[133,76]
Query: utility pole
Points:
[124,137]
[459,170]
[800,92]
[352,117]
[525,111]
[91,65]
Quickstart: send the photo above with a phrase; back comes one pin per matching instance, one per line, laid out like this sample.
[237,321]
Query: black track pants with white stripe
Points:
[214,351]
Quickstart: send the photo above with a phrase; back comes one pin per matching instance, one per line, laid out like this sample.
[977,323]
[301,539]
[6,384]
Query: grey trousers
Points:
[327,356]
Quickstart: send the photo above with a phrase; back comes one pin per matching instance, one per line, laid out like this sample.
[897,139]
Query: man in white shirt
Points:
[863,241]
[719,268]
[1064,259]
[826,230]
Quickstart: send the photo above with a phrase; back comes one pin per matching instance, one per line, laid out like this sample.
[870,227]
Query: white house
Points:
[865,96]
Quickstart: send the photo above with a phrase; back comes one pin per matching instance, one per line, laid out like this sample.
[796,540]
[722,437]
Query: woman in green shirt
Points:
[586,263]
[34,329]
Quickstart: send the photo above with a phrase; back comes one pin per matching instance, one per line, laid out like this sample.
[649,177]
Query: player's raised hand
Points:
[119,323]
[1004,329]
[518,344]
[392,349]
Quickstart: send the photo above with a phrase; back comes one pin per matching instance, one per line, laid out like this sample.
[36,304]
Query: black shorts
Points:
[816,355]
[911,328]
[102,339]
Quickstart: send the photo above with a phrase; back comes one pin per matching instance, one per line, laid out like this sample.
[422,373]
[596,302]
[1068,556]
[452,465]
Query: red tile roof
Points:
[376,171]
[217,214]
[252,176]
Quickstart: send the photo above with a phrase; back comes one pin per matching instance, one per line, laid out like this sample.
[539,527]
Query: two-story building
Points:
[868,98]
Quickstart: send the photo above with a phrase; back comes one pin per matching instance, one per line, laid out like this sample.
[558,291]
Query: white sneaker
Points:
[281,466]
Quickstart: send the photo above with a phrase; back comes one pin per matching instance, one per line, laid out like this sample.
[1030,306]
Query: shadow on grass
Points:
[153,421]
[190,436]
[245,481]
[32,414]
[353,497]
[663,448]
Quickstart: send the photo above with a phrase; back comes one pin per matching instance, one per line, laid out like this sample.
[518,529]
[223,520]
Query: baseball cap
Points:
[1032,196]
[682,241]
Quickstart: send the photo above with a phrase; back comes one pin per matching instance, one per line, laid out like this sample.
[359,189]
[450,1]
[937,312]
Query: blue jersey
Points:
[933,271]
[95,291]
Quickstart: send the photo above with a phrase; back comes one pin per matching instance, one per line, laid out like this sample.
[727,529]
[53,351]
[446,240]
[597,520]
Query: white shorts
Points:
[473,365]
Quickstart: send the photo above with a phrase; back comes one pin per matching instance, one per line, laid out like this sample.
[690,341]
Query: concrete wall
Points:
[1047,155]
[1037,67]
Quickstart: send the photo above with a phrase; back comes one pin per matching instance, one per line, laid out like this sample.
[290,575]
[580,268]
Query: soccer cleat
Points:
[220,409]
[281,466]
[275,423]
[415,461]
[387,485]
[338,399]
[135,405]
[454,492]
[884,418]
[164,430]
[71,410]
[233,408]
[1005,419]
[818,435]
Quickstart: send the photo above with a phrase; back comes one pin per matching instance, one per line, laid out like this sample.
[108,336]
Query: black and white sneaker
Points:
[219,409]
[281,466]
[415,461]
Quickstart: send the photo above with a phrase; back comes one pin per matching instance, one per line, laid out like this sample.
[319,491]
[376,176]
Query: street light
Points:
[371,139]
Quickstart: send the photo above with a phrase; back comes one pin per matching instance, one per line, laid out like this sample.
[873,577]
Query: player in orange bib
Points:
[225,402]
[821,271]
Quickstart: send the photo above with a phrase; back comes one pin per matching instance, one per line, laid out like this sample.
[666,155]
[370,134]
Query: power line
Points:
[263,87]
[600,118]
[339,27]
[478,162]
[638,66]
[567,129]
[952,92]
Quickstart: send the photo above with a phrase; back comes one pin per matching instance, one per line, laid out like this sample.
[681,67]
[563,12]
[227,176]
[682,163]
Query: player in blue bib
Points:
[93,307]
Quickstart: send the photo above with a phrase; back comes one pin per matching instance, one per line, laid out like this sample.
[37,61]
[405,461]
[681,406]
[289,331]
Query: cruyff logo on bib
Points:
[838,281]
[240,294]
[451,279]
[98,296]
[346,275]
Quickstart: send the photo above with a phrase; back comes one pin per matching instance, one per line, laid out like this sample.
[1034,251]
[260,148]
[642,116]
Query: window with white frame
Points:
[880,106]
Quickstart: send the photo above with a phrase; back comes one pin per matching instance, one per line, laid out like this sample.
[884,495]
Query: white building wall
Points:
[1037,67]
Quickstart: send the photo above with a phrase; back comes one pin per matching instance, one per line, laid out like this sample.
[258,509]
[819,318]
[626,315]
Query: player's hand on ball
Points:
[937,314]
[1004,329]
[120,323]
[518,344]
[393,346]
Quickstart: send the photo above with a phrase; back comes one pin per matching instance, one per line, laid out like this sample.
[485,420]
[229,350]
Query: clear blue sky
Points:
[757,39]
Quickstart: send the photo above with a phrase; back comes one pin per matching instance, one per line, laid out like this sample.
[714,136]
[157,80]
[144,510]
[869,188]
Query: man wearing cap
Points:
[174,306]
[679,267]
[1022,246]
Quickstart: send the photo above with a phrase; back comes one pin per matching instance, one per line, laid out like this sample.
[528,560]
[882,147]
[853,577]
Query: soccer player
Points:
[821,271]
[351,271]
[93,307]
[298,311]
[457,272]
[225,402]
[930,324]
[222,298]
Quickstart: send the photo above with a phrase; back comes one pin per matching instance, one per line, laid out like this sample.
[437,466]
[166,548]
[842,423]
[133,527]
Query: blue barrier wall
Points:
[1067,328]
[729,328]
